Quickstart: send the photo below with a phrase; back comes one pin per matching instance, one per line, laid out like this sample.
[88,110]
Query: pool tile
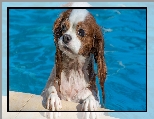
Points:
[20,99]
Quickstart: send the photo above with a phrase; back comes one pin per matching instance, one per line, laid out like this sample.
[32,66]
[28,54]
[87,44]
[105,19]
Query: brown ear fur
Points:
[57,24]
[57,35]
[99,58]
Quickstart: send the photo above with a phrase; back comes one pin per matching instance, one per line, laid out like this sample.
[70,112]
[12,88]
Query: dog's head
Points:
[77,33]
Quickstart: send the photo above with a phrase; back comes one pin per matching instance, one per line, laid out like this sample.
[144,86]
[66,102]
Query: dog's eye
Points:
[81,32]
[63,27]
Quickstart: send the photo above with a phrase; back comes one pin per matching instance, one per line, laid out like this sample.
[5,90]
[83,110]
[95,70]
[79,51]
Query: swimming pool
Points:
[32,53]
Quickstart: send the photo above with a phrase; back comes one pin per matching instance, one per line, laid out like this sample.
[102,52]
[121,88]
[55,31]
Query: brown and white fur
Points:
[79,41]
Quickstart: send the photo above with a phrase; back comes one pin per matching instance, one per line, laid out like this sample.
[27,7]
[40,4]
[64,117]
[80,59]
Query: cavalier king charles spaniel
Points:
[79,42]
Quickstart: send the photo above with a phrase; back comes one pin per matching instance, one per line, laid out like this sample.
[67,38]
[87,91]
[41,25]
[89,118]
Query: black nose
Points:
[66,38]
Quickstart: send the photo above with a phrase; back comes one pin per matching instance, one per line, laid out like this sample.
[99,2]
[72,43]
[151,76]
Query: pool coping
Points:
[19,101]
[32,102]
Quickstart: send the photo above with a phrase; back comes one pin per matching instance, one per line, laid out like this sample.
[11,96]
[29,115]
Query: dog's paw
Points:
[91,115]
[52,115]
[89,104]
[54,102]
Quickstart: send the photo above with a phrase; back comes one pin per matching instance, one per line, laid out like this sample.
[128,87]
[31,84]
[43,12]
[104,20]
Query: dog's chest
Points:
[73,84]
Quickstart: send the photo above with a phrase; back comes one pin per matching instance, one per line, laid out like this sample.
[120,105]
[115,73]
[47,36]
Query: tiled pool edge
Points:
[35,115]
[19,101]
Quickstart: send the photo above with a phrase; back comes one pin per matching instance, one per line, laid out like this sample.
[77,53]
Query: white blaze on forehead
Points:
[78,15]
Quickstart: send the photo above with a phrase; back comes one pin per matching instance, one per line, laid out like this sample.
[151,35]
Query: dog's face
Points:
[75,32]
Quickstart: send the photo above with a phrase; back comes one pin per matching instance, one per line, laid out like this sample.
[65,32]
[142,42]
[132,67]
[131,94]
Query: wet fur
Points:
[92,49]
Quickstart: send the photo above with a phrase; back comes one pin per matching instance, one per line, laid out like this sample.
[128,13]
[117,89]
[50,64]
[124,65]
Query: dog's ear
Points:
[58,59]
[57,28]
[57,34]
[58,56]
[98,45]
[57,25]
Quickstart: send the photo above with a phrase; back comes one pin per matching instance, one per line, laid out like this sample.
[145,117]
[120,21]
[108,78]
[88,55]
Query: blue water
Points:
[32,52]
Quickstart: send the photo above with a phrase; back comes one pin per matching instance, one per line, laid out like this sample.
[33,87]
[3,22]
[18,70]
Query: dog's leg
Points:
[90,104]
[53,101]
[50,97]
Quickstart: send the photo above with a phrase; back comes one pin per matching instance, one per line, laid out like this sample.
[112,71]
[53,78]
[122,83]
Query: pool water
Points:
[32,52]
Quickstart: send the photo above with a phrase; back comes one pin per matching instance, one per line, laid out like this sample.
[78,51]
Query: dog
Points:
[79,42]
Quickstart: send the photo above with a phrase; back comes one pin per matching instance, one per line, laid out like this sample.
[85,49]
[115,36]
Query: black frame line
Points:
[8,8]
[77,7]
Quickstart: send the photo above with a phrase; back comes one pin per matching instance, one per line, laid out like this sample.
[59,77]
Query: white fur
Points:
[76,16]
[69,85]
[75,43]
[75,82]
[61,44]
[54,102]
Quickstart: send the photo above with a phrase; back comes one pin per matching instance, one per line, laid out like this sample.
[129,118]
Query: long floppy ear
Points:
[58,57]
[98,44]
[57,34]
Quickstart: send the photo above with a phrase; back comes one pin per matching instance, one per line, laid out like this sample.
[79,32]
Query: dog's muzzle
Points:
[66,38]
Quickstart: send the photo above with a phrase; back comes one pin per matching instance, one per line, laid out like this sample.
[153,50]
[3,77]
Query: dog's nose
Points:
[66,38]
